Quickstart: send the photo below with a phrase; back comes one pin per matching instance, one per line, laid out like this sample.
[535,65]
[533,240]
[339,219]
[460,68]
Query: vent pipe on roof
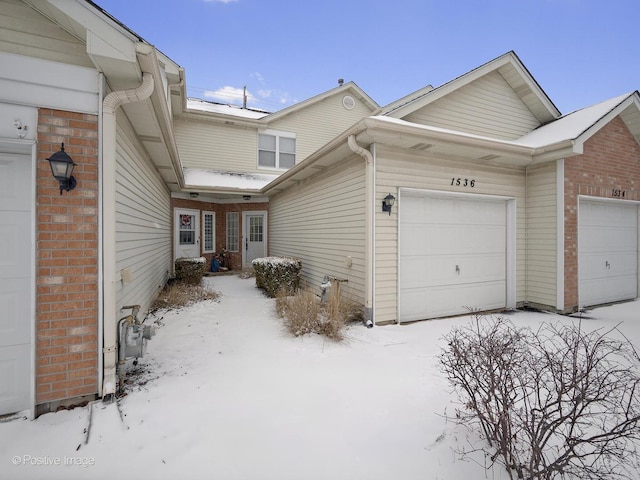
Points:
[340,82]
[244,97]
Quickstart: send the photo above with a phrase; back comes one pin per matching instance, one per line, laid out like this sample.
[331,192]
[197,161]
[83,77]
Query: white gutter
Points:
[370,192]
[110,106]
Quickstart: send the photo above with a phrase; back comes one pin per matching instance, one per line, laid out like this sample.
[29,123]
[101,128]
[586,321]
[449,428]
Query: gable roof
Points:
[512,70]
[577,127]
[194,105]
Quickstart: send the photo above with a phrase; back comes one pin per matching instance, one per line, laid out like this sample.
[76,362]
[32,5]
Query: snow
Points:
[195,177]
[570,126]
[230,395]
[232,110]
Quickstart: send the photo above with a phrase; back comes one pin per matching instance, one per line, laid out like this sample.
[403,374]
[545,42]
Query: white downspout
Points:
[369,311]
[109,107]
[100,242]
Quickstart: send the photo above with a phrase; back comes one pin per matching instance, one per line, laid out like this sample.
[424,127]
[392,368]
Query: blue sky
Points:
[284,51]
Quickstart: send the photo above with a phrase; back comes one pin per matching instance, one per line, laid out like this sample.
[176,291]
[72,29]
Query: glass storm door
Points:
[187,233]
[254,237]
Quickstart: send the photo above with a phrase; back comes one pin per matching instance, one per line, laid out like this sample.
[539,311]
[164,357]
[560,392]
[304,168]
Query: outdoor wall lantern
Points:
[62,168]
[387,203]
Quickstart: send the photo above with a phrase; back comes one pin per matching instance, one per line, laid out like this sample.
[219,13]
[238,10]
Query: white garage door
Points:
[607,252]
[15,282]
[452,255]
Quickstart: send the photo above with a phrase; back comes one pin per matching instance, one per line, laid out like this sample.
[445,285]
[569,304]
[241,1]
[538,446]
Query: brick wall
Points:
[611,161]
[67,262]
[221,209]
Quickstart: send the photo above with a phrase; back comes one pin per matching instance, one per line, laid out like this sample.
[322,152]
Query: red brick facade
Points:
[609,166]
[66,262]
[221,210]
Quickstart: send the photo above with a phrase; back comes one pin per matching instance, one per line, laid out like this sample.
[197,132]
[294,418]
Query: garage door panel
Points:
[15,366]
[434,302]
[16,282]
[14,231]
[608,252]
[452,255]
[15,307]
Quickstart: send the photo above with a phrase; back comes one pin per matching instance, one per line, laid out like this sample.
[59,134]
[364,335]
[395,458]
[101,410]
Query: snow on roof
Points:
[194,177]
[570,126]
[236,111]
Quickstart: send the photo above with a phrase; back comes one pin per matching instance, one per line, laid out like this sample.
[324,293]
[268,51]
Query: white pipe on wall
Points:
[110,106]
[369,228]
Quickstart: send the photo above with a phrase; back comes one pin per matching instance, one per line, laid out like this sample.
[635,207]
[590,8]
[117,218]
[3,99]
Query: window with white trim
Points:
[233,231]
[276,149]
[208,232]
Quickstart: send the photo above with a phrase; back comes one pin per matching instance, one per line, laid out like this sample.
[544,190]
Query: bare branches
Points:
[556,403]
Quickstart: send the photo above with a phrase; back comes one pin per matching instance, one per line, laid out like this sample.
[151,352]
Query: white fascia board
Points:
[105,37]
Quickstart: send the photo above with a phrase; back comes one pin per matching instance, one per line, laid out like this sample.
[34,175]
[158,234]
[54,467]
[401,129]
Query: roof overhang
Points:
[122,56]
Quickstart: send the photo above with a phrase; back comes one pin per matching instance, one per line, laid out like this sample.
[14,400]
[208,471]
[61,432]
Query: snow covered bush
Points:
[556,403]
[274,274]
[190,270]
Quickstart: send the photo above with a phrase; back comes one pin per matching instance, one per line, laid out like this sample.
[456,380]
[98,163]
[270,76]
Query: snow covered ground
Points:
[229,395]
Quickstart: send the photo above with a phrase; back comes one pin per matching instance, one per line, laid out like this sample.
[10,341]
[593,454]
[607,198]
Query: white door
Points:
[16,283]
[453,255]
[255,235]
[187,233]
[607,252]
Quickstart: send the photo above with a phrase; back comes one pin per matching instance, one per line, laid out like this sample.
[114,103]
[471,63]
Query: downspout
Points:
[369,228]
[100,242]
[109,107]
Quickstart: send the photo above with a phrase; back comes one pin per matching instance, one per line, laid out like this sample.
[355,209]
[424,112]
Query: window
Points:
[233,231]
[276,149]
[208,232]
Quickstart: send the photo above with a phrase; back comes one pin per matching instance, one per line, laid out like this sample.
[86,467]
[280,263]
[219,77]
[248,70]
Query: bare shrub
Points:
[552,404]
[303,313]
[180,294]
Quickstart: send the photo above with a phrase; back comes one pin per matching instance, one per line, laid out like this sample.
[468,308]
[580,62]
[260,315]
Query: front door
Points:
[187,233]
[16,282]
[254,233]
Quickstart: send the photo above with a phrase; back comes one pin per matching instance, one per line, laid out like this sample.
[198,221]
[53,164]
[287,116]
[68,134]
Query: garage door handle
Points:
[607,264]
[458,269]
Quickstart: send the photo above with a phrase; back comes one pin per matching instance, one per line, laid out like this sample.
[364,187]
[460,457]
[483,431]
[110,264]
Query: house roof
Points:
[511,69]
[559,139]
[261,117]
[578,126]
[205,180]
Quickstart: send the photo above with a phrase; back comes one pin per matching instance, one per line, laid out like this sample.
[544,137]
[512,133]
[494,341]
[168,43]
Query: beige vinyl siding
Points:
[143,222]
[26,32]
[316,125]
[214,146]
[396,169]
[322,222]
[487,107]
[542,235]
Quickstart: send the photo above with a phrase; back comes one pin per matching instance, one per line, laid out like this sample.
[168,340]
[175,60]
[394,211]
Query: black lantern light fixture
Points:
[62,168]
[387,203]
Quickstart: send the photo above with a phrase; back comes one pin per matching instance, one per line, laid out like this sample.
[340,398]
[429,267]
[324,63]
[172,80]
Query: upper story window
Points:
[276,149]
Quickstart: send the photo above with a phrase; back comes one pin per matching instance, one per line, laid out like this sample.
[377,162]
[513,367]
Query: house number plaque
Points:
[463,182]
[615,193]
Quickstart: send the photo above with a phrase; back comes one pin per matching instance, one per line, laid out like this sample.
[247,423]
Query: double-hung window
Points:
[276,149]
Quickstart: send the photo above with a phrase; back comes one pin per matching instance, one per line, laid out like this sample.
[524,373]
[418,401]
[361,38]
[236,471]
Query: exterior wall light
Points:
[62,168]
[246,197]
[387,203]
[194,194]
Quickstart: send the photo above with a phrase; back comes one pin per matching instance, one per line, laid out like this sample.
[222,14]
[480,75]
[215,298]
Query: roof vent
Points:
[422,146]
[348,102]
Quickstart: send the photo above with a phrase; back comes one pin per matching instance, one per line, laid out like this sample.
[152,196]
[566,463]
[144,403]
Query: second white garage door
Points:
[607,252]
[453,254]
